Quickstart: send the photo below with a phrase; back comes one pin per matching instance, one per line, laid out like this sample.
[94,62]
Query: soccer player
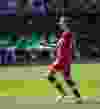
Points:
[62,64]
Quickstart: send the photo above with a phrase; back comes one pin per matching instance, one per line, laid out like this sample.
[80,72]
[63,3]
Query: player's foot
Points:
[69,99]
[72,100]
[59,99]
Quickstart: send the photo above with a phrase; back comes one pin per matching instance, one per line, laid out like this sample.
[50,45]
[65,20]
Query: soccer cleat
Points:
[65,99]
[71,100]
[59,99]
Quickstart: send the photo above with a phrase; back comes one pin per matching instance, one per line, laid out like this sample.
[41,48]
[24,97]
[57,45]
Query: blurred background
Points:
[80,17]
[21,7]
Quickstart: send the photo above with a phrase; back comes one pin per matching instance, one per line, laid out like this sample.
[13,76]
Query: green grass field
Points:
[25,81]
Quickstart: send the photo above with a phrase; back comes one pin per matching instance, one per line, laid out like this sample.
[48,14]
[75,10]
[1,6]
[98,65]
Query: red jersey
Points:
[64,49]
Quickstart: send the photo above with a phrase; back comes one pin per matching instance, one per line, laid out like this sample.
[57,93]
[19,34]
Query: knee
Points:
[51,78]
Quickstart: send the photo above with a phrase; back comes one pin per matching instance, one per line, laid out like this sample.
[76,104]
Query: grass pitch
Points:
[25,81]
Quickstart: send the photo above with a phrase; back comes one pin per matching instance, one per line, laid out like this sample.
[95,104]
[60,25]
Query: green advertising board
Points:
[10,39]
[7,39]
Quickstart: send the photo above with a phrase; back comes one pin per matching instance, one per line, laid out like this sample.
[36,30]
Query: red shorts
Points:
[56,67]
[59,67]
[65,69]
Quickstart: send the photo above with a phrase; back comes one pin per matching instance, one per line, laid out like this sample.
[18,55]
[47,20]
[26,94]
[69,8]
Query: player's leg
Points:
[70,82]
[52,79]
[56,84]
[67,78]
